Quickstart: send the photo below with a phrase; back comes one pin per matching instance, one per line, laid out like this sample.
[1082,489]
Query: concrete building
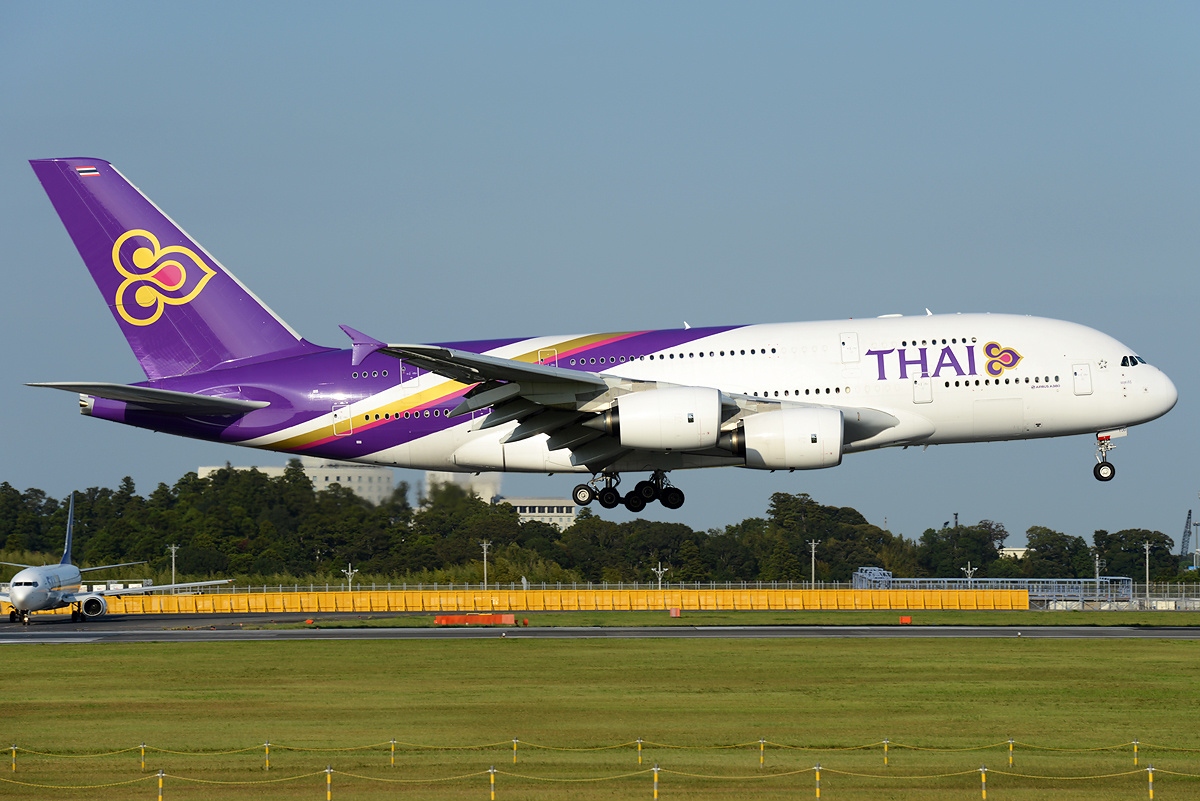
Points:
[369,482]
[558,512]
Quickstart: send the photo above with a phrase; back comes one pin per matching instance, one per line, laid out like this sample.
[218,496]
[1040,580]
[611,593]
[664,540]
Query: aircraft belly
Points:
[485,450]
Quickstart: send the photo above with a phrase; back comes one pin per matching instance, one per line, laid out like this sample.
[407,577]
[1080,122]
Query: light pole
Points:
[659,571]
[172,549]
[349,571]
[812,547]
[485,544]
[1146,546]
[970,571]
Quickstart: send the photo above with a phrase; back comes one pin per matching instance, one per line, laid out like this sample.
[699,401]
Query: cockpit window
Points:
[1140,360]
[1132,361]
[1124,361]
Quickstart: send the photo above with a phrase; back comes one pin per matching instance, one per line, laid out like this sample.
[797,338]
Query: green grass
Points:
[824,695]
[785,618]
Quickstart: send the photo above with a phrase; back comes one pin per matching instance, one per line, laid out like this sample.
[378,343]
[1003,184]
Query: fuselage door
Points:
[923,390]
[1083,378]
[849,348]
[343,423]
[548,356]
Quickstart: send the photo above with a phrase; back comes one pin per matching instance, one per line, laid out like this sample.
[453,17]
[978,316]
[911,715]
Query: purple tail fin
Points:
[181,311]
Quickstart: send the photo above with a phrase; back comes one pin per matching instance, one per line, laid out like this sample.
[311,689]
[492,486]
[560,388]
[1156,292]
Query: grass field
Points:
[569,702]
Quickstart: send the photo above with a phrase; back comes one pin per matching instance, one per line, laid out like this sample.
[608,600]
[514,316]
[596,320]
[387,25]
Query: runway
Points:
[335,626]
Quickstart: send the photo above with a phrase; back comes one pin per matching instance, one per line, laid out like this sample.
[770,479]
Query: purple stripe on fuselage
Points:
[302,389]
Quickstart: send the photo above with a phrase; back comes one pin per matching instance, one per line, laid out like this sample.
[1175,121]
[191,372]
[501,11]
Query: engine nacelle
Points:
[790,439]
[676,418]
[93,606]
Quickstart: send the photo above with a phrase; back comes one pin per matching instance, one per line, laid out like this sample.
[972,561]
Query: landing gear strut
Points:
[1104,469]
[656,488]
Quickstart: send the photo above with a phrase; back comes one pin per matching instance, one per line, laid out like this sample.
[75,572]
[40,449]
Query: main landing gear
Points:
[1104,469]
[656,488]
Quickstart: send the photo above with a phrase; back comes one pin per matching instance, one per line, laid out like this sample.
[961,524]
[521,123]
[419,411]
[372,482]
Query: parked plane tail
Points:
[66,557]
[180,309]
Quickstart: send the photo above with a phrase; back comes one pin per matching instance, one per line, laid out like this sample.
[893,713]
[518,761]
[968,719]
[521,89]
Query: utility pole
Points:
[812,547]
[485,545]
[1146,546]
[172,549]
[349,571]
[659,571]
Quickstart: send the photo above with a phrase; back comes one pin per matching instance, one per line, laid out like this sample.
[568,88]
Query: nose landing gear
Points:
[1104,469]
[656,488]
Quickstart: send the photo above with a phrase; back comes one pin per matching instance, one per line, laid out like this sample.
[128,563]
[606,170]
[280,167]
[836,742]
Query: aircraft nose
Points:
[17,596]
[1167,394]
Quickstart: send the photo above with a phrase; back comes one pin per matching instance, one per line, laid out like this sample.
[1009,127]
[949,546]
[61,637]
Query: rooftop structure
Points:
[371,483]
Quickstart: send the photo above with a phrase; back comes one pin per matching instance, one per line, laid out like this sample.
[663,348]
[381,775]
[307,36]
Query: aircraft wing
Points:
[165,401]
[563,404]
[150,588]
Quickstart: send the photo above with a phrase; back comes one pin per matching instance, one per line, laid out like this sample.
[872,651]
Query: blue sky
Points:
[445,171]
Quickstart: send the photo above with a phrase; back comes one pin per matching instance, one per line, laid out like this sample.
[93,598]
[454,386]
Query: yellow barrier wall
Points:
[570,600]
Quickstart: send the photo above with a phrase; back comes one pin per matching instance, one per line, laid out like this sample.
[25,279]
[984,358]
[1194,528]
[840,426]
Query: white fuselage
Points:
[946,378]
[36,589]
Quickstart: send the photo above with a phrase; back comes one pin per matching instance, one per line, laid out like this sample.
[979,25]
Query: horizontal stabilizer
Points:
[165,401]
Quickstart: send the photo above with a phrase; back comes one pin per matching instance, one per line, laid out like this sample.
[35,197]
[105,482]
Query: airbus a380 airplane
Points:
[40,588]
[791,396]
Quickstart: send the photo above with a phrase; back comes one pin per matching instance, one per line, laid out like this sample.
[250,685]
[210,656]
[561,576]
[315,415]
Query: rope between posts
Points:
[454,747]
[73,756]
[1169,748]
[699,747]
[593,748]
[897,776]
[1075,750]
[318,750]
[200,753]
[948,750]
[256,781]
[738,778]
[826,748]
[1068,778]
[1176,773]
[79,786]
[575,781]
[410,781]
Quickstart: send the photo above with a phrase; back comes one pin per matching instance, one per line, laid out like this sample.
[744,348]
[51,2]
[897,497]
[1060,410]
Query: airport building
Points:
[557,512]
[369,482]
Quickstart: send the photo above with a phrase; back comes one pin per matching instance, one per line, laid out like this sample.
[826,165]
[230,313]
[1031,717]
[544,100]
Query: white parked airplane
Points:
[223,367]
[46,587]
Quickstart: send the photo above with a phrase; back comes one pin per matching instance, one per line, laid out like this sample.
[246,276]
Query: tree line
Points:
[245,525]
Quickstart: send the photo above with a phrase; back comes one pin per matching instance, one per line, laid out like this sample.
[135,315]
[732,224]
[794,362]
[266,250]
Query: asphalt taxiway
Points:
[335,626]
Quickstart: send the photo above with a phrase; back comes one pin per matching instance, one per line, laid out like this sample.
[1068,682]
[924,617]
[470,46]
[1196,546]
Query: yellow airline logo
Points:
[159,277]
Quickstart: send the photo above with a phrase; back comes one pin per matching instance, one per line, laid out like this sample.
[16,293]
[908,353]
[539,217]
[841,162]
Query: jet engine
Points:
[789,439]
[675,418]
[93,606]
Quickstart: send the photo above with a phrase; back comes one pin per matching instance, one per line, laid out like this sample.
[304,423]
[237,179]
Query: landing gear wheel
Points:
[1104,471]
[12,616]
[609,498]
[672,497]
[583,494]
[74,615]
[648,491]
[634,502]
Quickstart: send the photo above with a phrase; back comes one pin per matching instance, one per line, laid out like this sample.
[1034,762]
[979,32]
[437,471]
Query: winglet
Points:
[363,345]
